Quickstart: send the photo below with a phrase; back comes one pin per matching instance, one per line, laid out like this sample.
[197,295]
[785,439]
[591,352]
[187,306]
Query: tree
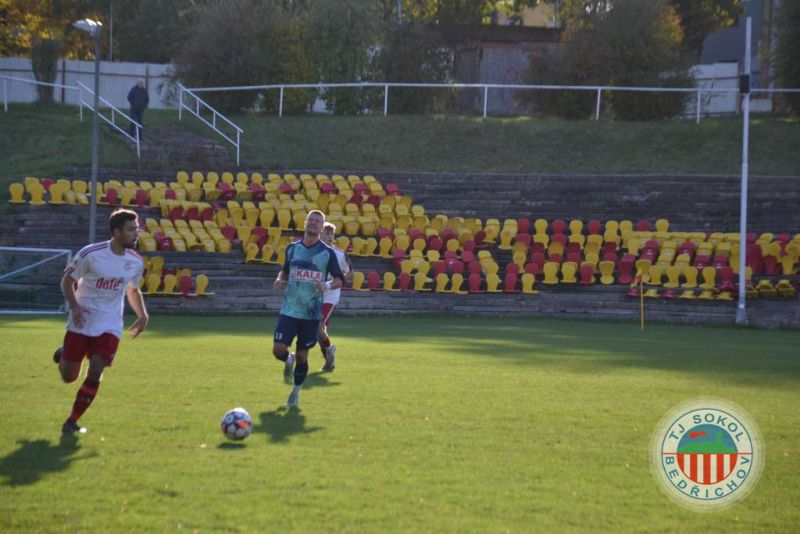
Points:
[25,22]
[44,55]
[343,35]
[787,59]
[635,43]
[414,53]
[226,48]
[151,30]
[700,18]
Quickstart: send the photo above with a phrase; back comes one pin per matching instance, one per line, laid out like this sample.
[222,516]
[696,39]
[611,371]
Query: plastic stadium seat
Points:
[673,277]
[528,280]
[550,272]
[474,282]
[510,282]
[568,271]
[389,279]
[374,281]
[457,283]
[587,274]
[690,277]
[493,283]
[441,282]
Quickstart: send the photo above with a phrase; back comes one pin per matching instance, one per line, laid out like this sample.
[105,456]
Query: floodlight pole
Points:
[93,28]
[95,139]
[744,89]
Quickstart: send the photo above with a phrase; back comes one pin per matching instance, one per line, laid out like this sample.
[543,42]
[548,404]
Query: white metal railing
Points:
[14,79]
[597,89]
[112,121]
[199,105]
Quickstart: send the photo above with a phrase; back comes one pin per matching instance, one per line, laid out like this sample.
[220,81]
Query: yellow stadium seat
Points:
[152,282]
[441,283]
[370,245]
[170,281]
[493,283]
[550,271]
[389,279]
[457,283]
[606,272]
[250,253]
[709,278]
[568,271]
[385,247]
[358,281]
[201,283]
[654,275]
[420,281]
[528,280]
[690,274]
[688,294]
[673,277]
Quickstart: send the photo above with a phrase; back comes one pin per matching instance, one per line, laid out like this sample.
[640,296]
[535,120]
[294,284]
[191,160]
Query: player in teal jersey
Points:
[303,280]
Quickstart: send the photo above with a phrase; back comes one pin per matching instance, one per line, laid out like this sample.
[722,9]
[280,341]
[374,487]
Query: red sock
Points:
[83,399]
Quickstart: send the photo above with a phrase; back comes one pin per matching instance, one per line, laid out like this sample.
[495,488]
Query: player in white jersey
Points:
[331,298]
[94,286]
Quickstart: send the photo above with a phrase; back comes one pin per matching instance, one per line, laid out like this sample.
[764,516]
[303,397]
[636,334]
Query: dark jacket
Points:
[138,98]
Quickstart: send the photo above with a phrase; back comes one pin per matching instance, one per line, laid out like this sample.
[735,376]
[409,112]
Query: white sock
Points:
[296,389]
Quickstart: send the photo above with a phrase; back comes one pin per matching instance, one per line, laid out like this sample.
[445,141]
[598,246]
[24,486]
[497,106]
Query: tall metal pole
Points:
[744,89]
[95,138]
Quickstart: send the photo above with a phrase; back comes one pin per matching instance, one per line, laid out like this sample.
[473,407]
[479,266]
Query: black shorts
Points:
[289,327]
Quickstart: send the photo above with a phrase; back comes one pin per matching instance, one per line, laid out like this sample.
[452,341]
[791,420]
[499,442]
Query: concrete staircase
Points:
[170,147]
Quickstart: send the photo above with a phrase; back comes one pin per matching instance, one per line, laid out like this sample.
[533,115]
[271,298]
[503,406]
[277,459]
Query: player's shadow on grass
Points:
[34,459]
[283,423]
[318,380]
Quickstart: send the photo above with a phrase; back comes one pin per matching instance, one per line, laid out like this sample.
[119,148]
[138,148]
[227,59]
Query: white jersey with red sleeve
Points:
[103,278]
[331,296]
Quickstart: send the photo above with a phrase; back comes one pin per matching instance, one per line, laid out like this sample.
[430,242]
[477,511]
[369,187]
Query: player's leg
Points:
[328,348]
[70,356]
[103,348]
[324,339]
[285,331]
[306,339]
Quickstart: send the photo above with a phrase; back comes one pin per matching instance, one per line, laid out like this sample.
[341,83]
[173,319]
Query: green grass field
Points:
[429,424]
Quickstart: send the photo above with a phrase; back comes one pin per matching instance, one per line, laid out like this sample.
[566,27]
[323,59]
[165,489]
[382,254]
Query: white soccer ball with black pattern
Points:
[236,424]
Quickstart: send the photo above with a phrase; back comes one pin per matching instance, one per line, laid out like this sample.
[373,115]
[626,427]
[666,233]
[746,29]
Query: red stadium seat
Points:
[374,281]
[558,226]
[404,281]
[587,274]
[474,282]
[626,269]
[593,227]
[524,226]
[510,283]
[140,198]
[644,225]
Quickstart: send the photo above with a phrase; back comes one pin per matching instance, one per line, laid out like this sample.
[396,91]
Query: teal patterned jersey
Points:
[304,267]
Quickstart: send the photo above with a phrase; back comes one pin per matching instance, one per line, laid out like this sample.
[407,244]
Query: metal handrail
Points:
[195,110]
[6,79]
[598,89]
[112,121]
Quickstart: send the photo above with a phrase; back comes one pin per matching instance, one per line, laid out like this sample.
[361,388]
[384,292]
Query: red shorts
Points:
[327,311]
[77,347]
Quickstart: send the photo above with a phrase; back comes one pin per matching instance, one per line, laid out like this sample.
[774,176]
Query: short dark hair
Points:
[119,217]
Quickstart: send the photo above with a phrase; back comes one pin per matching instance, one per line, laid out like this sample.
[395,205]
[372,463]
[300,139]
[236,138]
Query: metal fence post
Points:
[5,95]
[597,107]
[180,103]
[385,99]
[699,103]
[280,104]
[238,144]
[485,99]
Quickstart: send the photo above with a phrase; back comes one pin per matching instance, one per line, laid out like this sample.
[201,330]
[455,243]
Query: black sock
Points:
[300,372]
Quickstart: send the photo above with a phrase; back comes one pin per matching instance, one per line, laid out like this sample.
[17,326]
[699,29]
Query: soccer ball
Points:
[236,424]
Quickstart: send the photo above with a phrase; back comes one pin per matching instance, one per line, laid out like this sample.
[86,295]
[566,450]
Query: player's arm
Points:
[336,272]
[136,300]
[68,289]
[283,275]
[348,274]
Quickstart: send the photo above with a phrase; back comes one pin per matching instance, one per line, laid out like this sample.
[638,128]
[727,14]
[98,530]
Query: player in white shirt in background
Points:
[94,286]
[331,298]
